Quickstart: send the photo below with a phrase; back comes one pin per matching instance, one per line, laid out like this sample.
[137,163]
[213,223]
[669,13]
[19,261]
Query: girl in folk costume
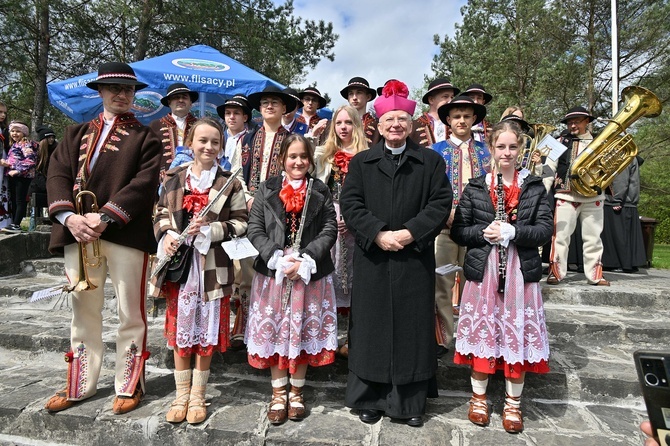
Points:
[502,330]
[198,306]
[345,139]
[291,328]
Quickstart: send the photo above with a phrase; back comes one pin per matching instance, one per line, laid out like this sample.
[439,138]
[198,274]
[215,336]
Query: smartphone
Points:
[653,372]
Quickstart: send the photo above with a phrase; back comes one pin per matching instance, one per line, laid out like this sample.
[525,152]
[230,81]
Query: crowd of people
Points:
[350,218]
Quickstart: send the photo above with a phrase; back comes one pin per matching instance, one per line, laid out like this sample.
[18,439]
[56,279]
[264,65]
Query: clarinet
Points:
[296,244]
[163,261]
[501,216]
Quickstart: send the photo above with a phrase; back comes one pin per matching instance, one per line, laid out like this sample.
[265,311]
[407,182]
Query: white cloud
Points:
[379,40]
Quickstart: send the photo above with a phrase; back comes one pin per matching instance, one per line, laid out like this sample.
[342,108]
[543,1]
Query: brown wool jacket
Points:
[124,180]
[228,218]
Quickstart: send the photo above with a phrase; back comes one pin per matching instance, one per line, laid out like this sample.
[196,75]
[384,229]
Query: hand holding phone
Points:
[653,374]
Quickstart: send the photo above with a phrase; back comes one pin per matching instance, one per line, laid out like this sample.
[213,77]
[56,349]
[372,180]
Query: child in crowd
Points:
[289,329]
[198,304]
[502,330]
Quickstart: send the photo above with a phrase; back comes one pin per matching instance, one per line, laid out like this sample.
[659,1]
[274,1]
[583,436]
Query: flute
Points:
[296,243]
[160,264]
[501,216]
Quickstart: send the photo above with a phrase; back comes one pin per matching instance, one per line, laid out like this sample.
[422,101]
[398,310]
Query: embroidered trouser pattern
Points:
[590,215]
[446,252]
[127,268]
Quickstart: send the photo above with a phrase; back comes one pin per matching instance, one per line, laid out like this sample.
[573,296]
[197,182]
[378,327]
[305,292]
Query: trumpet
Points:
[83,282]
[526,156]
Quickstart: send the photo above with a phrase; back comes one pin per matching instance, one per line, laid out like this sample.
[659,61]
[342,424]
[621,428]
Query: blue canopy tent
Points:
[202,68]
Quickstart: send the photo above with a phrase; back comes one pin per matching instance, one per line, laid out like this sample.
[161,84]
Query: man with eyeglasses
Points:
[172,128]
[312,102]
[118,159]
[572,207]
[396,199]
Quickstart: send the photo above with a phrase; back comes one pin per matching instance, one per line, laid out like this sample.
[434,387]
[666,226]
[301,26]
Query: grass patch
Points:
[661,256]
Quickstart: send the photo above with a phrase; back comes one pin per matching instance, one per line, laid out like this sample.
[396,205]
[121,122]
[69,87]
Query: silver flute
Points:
[296,244]
[160,264]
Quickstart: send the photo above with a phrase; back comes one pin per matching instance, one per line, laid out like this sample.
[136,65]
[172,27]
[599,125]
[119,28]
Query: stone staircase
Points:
[590,395]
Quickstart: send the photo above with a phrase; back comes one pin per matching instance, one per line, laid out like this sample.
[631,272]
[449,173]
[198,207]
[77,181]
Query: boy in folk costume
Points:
[172,128]
[465,158]
[236,113]
[312,101]
[478,94]
[358,93]
[572,206]
[289,120]
[118,159]
[428,129]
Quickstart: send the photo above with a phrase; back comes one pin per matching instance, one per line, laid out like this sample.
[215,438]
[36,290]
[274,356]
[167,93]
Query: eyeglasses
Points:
[577,121]
[128,90]
[274,103]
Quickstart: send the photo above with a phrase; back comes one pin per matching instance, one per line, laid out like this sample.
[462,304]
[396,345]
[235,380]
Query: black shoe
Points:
[414,421]
[441,351]
[369,416]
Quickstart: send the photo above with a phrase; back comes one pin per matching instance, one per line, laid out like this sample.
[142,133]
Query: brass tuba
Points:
[83,282]
[610,152]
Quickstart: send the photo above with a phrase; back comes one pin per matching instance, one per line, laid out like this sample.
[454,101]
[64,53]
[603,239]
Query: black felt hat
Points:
[254,99]
[479,88]
[314,92]
[440,83]
[239,100]
[44,132]
[462,101]
[177,89]
[514,118]
[577,112]
[295,95]
[381,89]
[116,73]
[358,82]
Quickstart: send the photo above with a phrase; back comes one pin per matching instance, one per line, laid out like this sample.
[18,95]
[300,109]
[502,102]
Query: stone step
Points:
[646,289]
[587,373]
[238,403]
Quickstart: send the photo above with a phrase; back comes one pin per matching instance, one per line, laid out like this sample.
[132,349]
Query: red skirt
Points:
[490,365]
[324,357]
[171,291]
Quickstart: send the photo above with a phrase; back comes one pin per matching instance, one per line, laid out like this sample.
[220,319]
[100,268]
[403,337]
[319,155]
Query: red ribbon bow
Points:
[193,203]
[341,160]
[293,199]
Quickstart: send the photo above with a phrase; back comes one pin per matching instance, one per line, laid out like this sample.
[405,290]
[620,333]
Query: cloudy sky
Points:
[379,40]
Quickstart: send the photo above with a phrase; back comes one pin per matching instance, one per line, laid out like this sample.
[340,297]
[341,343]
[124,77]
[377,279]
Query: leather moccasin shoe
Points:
[59,402]
[552,280]
[124,404]
[369,416]
[414,421]
[601,282]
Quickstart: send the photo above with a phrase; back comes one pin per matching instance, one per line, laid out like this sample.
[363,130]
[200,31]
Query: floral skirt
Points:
[304,333]
[505,331]
[211,320]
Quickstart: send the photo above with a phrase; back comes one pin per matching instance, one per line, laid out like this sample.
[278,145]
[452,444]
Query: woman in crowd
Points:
[197,317]
[345,139]
[5,215]
[292,315]
[20,171]
[502,330]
